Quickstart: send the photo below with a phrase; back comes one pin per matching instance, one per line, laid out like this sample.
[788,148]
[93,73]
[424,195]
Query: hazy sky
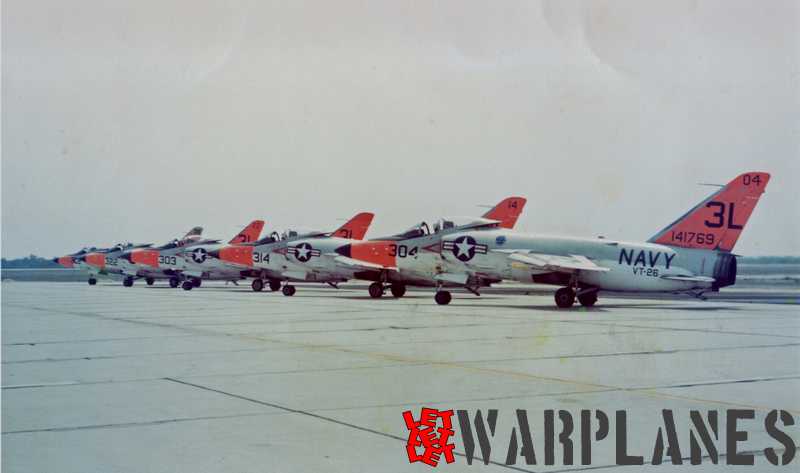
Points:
[138,120]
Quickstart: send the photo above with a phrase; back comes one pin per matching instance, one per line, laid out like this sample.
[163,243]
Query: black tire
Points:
[443,297]
[127,282]
[288,290]
[196,282]
[375,290]
[150,281]
[398,290]
[92,281]
[257,285]
[274,285]
[588,300]
[565,298]
[187,285]
[174,282]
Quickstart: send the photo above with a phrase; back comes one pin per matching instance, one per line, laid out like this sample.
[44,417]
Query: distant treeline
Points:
[28,262]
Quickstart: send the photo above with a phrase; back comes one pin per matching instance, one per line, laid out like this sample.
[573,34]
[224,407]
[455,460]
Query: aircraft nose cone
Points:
[344,250]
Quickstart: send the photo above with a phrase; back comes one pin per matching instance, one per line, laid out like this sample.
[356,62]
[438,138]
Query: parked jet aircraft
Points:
[412,258]
[75,260]
[103,261]
[293,256]
[691,255]
[165,262]
[198,266]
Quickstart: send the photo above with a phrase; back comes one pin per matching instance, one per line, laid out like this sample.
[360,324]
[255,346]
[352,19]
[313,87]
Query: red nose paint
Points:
[96,259]
[145,257]
[242,255]
[66,261]
[377,252]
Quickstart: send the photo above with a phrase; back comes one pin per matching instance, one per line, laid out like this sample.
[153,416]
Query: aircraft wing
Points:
[352,263]
[457,278]
[568,264]
[295,275]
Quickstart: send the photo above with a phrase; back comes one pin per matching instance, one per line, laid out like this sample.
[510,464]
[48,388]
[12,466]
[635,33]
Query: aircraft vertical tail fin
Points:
[250,233]
[507,211]
[194,232]
[716,222]
[356,227]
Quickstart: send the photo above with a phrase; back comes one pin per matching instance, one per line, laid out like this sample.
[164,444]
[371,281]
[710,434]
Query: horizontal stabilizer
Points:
[555,262]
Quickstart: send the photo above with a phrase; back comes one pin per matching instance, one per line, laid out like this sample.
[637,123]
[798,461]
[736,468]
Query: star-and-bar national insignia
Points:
[303,252]
[464,248]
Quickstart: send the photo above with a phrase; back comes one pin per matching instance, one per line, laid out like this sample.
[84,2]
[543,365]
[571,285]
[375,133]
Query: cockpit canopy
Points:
[449,223]
[444,225]
[290,234]
[176,243]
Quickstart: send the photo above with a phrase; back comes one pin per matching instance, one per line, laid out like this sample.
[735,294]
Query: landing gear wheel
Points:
[174,282]
[588,300]
[150,281]
[257,285]
[375,290]
[274,285]
[443,297]
[127,282]
[288,290]
[398,290]
[92,281]
[187,285]
[196,282]
[565,297]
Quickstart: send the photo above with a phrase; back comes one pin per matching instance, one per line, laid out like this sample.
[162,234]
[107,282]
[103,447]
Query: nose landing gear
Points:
[588,299]
[398,290]
[375,290]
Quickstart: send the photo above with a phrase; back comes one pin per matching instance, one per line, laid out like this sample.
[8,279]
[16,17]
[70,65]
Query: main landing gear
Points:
[288,290]
[258,285]
[443,297]
[92,281]
[174,282]
[565,297]
[190,284]
[150,281]
[377,289]
[128,281]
